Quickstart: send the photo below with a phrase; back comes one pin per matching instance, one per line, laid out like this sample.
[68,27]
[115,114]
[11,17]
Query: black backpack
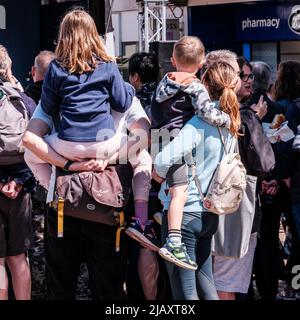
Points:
[255,149]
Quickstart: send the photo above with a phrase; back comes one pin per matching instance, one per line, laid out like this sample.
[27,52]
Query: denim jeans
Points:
[197,229]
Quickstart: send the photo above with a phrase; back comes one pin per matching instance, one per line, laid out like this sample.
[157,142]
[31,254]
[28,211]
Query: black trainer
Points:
[146,237]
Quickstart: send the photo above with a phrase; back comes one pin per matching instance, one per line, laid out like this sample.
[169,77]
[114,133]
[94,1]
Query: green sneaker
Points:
[177,255]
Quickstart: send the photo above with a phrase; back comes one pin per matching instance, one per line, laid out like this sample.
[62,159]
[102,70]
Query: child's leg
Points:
[21,278]
[177,180]
[70,150]
[174,250]
[3,281]
[40,169]
[178,199]
[79,151]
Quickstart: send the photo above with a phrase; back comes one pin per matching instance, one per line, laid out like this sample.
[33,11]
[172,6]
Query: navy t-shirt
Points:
[84,100]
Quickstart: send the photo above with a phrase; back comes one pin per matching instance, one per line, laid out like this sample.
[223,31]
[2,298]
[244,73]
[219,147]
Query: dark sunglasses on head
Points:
[246,77]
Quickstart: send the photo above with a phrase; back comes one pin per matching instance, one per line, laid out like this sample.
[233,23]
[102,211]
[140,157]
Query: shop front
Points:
[262,30]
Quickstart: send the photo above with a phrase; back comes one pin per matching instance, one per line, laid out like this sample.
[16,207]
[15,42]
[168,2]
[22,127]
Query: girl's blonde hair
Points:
[221,80]
[79,46]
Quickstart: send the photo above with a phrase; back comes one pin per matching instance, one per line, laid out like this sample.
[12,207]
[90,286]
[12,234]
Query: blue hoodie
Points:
[85,100]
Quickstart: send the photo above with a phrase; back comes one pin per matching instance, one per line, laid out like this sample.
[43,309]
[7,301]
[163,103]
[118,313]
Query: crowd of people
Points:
[79,139]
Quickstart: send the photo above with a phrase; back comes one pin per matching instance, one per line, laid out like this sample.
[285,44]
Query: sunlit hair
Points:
[42,61]
[79,46]
[222,55]
[287,84]
[189,51]
[5,62]
[221,79]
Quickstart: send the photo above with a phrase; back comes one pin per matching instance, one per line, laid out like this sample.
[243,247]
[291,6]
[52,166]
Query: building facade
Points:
[33,26]
[20,33]
[125,15]
[259,30]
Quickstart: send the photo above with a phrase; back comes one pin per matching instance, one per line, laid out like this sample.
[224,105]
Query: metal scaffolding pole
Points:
[152,22]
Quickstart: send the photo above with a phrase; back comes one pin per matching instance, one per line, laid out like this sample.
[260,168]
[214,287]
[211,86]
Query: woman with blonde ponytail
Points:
[222,82]
[201,140]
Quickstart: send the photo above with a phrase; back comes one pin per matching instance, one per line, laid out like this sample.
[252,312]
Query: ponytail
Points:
[220,80]
[230,105]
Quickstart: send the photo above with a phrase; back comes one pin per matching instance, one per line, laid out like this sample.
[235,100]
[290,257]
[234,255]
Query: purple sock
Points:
[141,212]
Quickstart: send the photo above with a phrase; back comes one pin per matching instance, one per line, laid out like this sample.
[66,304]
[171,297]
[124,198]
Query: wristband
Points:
[67,165]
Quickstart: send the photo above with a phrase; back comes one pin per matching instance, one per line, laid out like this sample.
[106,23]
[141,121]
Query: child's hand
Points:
[156,177]
[89,165]
[11,189]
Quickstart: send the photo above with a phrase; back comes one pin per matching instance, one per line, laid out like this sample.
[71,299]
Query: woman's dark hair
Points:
[243,62]
[287,84]
[145,65]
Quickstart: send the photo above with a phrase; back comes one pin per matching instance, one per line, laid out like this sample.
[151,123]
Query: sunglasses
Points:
[246,77]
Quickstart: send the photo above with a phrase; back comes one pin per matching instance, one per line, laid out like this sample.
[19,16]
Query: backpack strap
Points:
[120,228]
[60,217]
[222,140]
[197,181]
[233,146]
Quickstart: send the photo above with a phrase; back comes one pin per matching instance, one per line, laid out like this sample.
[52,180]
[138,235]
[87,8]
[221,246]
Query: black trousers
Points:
[267,256]
[89,242]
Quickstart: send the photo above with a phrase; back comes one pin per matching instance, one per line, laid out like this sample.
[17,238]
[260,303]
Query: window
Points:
[289,50]
[129,48]
[266,52]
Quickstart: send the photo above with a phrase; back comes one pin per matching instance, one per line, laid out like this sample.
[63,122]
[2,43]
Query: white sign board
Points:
[2,18]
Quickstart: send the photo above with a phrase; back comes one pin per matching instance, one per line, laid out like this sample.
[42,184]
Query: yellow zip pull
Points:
[121,227]
[60,217]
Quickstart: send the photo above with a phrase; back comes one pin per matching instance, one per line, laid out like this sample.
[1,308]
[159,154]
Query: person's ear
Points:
[173,61]
[201,64]
[136,78]
[33,71]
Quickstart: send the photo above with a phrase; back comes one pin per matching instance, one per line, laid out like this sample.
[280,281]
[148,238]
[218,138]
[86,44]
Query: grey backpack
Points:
[13,123]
